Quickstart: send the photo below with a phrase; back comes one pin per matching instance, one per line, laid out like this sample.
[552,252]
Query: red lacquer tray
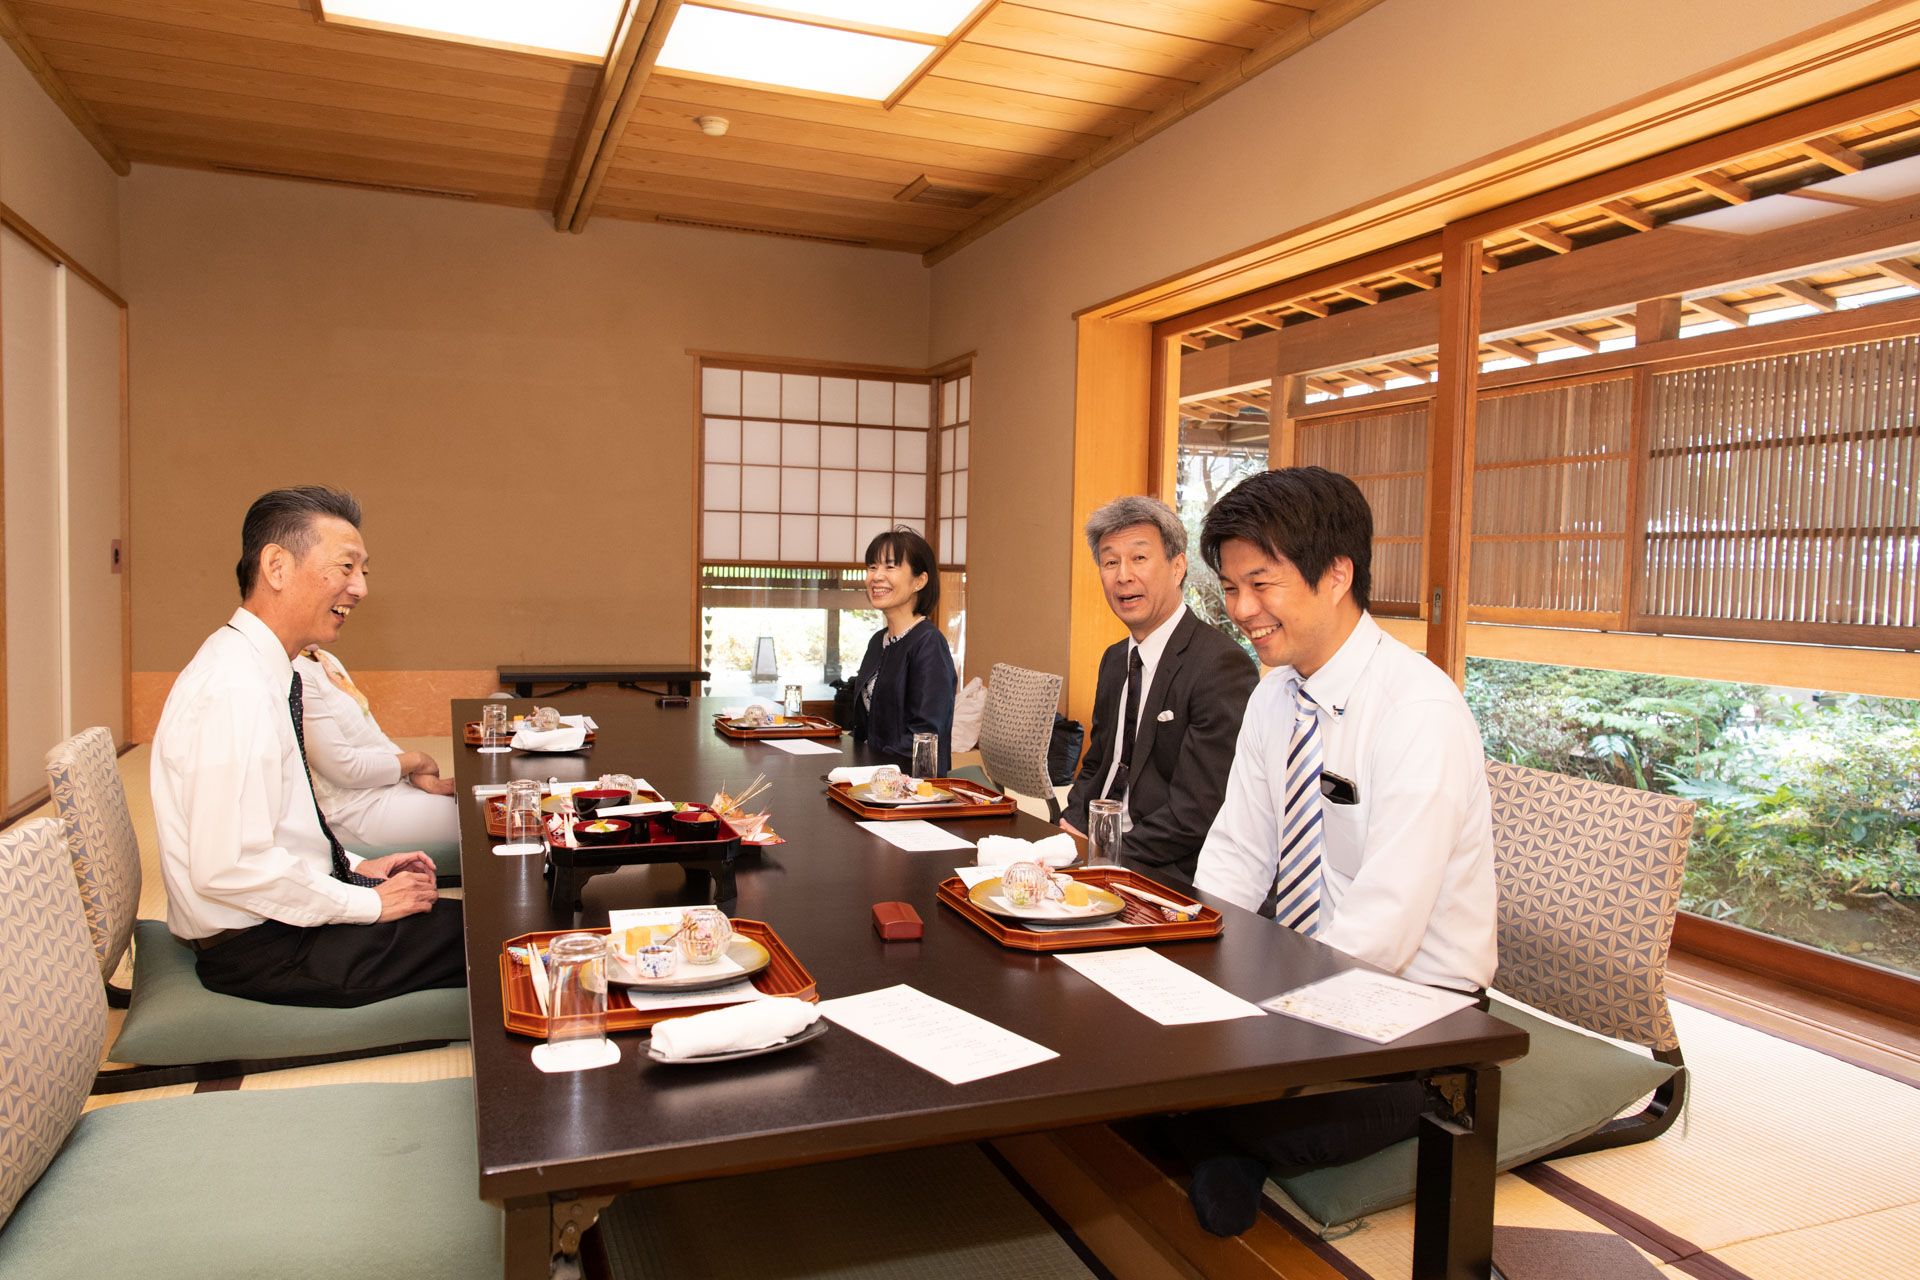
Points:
[992,803]
[803,727]
[520,1008]
[1140,923]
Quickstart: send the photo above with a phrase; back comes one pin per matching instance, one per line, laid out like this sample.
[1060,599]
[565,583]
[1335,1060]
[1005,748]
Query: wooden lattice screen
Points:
[1783,497]
[1385,453]
[1550,519]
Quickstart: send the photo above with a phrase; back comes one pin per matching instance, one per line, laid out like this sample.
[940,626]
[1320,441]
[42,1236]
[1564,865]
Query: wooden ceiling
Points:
[1028,97]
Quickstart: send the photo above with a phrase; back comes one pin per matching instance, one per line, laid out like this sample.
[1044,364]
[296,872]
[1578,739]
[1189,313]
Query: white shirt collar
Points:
[1332,685]
[260,636]
[1157,639]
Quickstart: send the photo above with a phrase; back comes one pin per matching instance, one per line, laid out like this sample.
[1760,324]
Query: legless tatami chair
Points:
[1017,728]
[172,1021]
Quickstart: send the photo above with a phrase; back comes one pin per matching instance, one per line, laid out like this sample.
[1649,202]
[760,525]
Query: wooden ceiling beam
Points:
[1586,342]
[1364,378]
[1732,190]
[1626,213]
[1896,269]
[1834,156]
[1808,294]
[1416,277]
[1324,387]
[1407,370]
[1312,306]
[1359,292]
[1508,347]
[1232,333]
[1720,311]
[630,58]
[56,88]
[1546,237]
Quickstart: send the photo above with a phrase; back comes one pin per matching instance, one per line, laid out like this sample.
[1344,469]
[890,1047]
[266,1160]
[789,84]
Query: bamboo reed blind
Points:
[1783,497]
[1550,519]
[1385,454]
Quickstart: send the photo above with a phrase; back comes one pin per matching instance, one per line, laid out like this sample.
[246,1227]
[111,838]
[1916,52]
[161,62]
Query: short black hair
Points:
[1307,515]
[284,518]
[901,545]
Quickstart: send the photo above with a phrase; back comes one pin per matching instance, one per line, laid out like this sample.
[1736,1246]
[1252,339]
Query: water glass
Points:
[493,728]
[792,707]
[577,996]
[525,832]
[926,755]
[523,793]
[1103,833]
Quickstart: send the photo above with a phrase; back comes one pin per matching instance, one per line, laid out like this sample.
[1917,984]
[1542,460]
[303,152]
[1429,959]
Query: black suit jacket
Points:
[1181,760]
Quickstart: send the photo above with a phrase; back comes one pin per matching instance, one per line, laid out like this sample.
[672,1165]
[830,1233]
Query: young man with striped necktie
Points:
[1356,812]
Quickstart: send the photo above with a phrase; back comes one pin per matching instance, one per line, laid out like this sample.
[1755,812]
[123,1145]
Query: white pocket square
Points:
[1164,716]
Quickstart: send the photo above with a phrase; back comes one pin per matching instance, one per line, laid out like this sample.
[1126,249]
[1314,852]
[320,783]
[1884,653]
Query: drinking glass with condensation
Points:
[926,755]
[577,1000]
[1103,833]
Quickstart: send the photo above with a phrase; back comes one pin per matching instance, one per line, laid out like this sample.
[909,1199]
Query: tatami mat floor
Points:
[1791,1162]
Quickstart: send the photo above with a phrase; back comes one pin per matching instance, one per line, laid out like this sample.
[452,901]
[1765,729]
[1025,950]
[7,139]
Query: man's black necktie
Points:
[341,871]
[1117,789]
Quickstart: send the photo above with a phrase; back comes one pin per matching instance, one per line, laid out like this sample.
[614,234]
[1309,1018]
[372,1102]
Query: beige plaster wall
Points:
[1379,105]
[514,407]
[52,177]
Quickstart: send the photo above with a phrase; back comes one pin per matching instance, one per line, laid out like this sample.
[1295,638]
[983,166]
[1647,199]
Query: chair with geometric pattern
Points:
[1589,882]
[1016,728]
[172,1021]
[212,1186]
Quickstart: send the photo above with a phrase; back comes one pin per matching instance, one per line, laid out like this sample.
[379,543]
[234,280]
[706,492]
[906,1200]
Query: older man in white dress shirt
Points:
[256,882]
[1357,810]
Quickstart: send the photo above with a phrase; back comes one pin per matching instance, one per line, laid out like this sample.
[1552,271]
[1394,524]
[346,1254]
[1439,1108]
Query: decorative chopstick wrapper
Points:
[742,1026]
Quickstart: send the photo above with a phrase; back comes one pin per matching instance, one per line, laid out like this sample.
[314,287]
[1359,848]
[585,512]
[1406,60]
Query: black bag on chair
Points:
[1063,753]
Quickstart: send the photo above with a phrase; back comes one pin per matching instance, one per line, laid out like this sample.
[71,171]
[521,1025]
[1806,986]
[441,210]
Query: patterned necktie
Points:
[341,871]
[1296,883]
[1118,787]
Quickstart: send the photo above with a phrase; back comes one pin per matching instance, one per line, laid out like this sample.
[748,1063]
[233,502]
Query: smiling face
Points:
[1142,585]
[305,599]
[1290,623]
[893,585]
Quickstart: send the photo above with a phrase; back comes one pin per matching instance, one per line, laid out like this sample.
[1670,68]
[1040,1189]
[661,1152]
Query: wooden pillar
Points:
[1656,320]
[1283,449]
[1450,453]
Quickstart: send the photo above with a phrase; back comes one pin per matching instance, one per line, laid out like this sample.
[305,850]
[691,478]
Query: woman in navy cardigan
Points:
[906,681]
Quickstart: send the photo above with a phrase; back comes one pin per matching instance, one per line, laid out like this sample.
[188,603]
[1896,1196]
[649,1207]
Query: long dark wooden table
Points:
[554,1148]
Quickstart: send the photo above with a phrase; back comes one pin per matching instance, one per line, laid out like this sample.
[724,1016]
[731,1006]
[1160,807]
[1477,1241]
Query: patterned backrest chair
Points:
[53,1019]
[1016,728]
[84,776]
[1589,881]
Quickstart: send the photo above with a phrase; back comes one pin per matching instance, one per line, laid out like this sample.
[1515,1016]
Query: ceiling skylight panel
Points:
[582,27]
[791,55]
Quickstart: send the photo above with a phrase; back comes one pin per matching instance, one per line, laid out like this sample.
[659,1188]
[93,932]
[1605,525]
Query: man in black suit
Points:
[1182,685]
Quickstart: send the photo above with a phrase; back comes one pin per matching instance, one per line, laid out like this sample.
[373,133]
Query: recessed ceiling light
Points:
[792,55]
[929,17]
[583,27]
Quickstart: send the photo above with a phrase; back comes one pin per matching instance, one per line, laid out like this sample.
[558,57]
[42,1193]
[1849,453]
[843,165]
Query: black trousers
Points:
[341,966]
[1298,1135]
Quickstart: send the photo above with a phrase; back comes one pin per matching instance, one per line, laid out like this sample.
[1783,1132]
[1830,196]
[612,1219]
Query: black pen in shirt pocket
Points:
[1338,789]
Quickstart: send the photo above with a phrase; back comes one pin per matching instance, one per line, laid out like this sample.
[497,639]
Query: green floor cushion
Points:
[445,853]
[174,1020]
[972,773]
[337,1180]
[1568,1085]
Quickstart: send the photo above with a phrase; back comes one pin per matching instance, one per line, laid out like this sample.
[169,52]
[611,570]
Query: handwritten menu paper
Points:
[915,836]
[1374,1006]
[1154,985]
[934,1035]
[801,747]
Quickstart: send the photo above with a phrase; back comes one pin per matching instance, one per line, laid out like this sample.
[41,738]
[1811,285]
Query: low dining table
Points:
[554,1148]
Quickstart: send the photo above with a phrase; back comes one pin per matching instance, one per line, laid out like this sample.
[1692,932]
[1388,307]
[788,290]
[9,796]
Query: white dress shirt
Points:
[240,838]
[1407,879]
[1150,650]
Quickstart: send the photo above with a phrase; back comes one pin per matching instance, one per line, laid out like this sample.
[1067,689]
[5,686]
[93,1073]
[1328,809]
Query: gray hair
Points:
[1124,513]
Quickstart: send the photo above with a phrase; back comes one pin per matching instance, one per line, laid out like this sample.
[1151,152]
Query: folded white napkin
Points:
[998,851]
[570,738]
[773,708]
[855,774]
[741,1026]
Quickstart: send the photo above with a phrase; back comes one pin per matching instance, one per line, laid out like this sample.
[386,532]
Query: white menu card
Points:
[1374,1006]
[934,1035]
[1166,992]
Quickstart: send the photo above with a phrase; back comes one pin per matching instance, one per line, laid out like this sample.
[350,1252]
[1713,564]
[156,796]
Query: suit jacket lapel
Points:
[1154,699]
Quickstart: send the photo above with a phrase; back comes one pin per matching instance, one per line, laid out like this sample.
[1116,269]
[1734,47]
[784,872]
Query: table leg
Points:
[529,1240]
[1453,1193]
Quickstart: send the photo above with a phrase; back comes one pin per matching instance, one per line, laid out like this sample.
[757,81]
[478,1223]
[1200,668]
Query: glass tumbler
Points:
[1103,833]
[926,755]
[493,728]
[792,707]
[577,997]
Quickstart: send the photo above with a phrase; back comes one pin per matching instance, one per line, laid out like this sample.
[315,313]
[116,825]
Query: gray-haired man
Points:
[1168,705]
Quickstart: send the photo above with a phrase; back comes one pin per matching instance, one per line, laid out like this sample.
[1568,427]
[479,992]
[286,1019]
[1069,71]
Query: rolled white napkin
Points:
[740,1026]
[570,738]
[855,774]
[998,851]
